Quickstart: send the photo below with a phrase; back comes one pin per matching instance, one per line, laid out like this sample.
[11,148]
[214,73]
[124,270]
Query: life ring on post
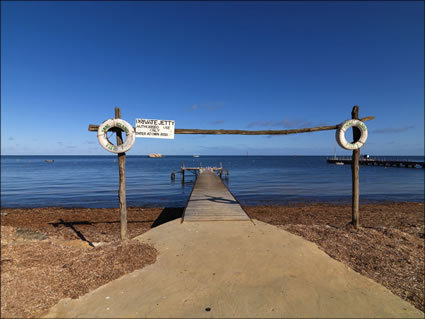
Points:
[340,134]
[119,123]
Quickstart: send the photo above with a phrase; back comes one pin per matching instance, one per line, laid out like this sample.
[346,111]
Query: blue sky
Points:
[212,65]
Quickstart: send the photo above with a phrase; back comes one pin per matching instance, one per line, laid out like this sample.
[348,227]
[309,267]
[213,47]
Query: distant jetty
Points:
[376,162]
[155,155]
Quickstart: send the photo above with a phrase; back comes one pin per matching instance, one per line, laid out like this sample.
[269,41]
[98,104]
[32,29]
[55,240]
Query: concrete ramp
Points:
[236,270]
[212,201]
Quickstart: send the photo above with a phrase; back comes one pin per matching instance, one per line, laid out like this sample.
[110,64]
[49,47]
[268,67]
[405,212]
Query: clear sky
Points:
[212,65]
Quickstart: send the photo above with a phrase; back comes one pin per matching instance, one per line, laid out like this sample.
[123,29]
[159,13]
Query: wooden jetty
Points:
[377,162]
[195,170]
[210,200]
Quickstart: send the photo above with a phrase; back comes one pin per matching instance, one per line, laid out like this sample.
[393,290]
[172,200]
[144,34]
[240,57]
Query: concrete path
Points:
[211,200]
[236,269]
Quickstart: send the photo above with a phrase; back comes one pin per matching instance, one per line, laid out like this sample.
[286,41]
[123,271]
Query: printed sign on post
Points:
[155,128]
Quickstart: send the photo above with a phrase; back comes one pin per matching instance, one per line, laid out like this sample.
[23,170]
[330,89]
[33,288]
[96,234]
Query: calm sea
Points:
[92,181]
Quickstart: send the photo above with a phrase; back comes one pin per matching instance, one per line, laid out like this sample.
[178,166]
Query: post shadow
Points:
[168,214]
[71,225]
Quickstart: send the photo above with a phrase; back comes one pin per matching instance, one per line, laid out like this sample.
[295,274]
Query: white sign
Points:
[155,128]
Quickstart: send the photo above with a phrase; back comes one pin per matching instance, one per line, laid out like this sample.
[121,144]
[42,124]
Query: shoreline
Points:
[38,242]
[269,203]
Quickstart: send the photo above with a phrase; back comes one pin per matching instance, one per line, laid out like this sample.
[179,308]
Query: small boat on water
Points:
[49,161]
[195,155]
[339,163]
[155,155]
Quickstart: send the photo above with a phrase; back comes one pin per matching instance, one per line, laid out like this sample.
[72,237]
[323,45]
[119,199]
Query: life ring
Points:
[106,144]
[340,134]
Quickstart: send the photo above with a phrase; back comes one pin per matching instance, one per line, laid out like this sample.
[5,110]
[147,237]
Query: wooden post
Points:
[122,197]
[355,172]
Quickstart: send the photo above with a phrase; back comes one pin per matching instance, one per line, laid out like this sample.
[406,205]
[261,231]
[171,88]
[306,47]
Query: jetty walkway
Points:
[211,200]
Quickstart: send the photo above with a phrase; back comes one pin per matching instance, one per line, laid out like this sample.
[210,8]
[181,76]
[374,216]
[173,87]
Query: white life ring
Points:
[340,134]
[106,144]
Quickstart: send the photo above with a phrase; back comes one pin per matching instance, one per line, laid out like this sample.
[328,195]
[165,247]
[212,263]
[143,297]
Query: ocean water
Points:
[92,181]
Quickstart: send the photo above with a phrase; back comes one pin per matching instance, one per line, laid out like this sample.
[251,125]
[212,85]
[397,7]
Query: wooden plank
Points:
[121,192]
[355,172]
[93,128]
[212,201]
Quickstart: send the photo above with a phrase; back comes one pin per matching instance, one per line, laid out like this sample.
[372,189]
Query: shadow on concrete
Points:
[168,214]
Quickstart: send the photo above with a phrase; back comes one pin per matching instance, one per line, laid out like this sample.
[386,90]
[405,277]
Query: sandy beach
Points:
[53,253]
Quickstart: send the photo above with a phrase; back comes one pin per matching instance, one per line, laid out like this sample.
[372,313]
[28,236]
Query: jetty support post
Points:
[355,172]
[182,172]
[121,194]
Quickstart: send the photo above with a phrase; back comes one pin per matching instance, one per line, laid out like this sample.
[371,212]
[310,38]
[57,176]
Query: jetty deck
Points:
[212,201]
